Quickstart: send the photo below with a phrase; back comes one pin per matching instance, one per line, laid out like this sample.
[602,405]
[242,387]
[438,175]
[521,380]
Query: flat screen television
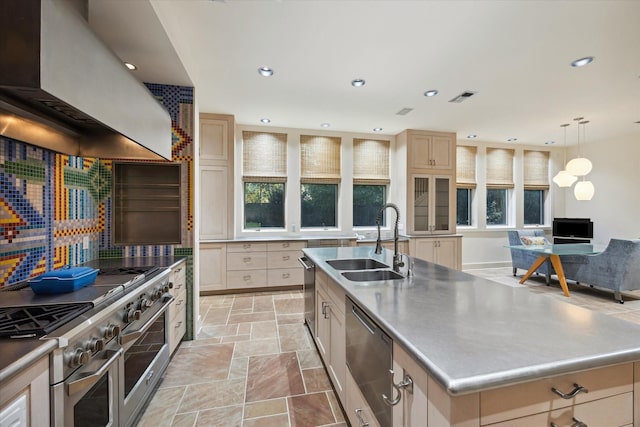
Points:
[573,227]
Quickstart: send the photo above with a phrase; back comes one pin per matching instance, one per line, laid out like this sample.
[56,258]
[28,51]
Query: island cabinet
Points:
[443,250]
[24,400]
[178,309]
[330,329]
[357,408]
[403,245]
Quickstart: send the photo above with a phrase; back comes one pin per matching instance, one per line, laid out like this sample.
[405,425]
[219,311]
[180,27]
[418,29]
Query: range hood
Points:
[62,89]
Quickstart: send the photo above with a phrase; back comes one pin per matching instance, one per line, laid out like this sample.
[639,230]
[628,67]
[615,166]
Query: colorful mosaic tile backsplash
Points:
[56,209]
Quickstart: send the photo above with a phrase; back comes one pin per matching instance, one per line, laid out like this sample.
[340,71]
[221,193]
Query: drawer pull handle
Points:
[246,259]
[179,302]
[285,245]
[576,423]
[246,278]
[178,324]
[286,258]
[246,246]
[285,275]
[406,383]
[324,309]
[578,389]
[363,423]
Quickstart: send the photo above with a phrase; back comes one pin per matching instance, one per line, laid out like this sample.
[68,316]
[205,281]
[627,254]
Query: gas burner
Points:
[119,271]
[17,322]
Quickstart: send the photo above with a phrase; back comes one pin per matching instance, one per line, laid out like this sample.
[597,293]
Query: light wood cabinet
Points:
[330,329]
[429,150]
[403,245]
[213,266]
[178,309]
[443,250]
[411,411]
[24,400]
[357,408]
[216,176]
[431,204]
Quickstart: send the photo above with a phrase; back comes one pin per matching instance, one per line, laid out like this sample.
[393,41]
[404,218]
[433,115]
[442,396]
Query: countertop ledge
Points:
[472,334]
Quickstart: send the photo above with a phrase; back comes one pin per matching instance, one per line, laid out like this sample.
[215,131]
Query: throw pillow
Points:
[533,240]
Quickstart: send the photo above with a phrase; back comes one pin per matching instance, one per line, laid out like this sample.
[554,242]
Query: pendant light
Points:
[564,178]
[584,190]
[579,166]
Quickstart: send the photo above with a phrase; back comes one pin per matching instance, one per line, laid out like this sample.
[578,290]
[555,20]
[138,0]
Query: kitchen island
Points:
[474,337]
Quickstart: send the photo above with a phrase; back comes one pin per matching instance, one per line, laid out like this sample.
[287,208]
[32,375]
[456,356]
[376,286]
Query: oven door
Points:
[89,397]
[145,358]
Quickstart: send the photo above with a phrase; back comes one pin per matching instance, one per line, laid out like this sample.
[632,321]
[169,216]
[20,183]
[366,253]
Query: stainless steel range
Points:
[112,343]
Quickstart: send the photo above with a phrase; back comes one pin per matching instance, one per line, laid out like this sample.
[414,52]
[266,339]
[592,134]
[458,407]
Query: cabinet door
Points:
[213,267]
[442,152]
[442,204]
[214,139]
[421,203]
[419,151]
[447,252]
[213,202]
[431,151]
[323,324]
[411,411]
[425,249]
[338,365]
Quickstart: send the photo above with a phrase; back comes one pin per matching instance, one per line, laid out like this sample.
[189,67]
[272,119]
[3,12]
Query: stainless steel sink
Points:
[372,275]
[356,264]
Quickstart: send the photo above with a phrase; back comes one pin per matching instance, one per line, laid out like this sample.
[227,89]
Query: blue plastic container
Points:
[67,279]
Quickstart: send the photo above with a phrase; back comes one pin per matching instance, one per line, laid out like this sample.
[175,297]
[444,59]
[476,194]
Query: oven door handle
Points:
[90,379]
[134,335]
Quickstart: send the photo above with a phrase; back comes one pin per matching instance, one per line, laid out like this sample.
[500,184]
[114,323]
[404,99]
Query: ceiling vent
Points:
[404,111]
[463,96]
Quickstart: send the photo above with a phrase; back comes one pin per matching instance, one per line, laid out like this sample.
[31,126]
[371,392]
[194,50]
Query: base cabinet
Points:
[443,250]
[24,399]
[213,266]
[357,408]
[178,309]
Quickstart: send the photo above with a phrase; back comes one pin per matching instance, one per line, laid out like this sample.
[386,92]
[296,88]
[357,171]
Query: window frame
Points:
[284,206]
[335,207]
[385,189]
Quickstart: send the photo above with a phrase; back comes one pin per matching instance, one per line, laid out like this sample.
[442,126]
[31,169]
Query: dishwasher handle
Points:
[306,263]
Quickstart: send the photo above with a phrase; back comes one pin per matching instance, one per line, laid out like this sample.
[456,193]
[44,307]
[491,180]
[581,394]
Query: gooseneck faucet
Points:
[397,259]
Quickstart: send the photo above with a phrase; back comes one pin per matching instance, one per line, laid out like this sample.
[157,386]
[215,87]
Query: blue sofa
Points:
[523,259]
[616,268]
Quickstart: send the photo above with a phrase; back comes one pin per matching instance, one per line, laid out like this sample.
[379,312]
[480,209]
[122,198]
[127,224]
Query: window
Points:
[367,200]
[463,206]
[533,207]
[536,182]
[263,205]
[319,176]
[264,172]
[497,206]
[370,180]
[499,182]
[319,203]
[465,183]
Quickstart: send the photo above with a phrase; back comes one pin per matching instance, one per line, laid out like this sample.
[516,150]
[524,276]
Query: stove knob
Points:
[95,344]
[132,314]
[170,285]
[111,331]
[165,288]
[158,293]
[144,304]
[79,357]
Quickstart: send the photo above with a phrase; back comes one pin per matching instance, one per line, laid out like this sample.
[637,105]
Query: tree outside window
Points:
[367,200]
[318,205]
[497,206]
[263,205]
[463,206]
[533,207]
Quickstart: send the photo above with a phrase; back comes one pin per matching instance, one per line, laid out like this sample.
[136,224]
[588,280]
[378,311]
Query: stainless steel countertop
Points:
[472,334]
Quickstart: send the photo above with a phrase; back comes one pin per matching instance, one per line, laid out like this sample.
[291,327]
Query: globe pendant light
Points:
[584,190]
[564,178]
[580,166]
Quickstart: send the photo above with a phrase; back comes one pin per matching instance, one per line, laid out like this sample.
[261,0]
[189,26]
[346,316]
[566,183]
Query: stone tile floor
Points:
[254,363]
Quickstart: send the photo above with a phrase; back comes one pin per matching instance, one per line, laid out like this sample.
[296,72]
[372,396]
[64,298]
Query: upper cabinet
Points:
[216,176]
[435,151]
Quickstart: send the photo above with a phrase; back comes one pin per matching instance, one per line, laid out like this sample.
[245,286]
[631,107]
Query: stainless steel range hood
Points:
[62,89]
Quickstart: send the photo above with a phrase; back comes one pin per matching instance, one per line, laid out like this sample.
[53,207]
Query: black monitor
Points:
[573,227]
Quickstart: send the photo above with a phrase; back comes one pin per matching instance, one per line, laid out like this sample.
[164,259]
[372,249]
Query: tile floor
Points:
[254,364]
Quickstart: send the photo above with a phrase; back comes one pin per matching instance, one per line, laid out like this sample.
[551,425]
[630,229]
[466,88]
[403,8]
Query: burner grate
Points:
[38,320]
[116,271]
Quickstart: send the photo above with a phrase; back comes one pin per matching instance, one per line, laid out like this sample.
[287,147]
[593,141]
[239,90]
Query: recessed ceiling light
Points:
[512,139]
[638,122]
[377,129]
[130,66]
[357,83]
[265,71]
[550,142]
[324,125]
[265,120]
[472,136]
[582,61]
[432,92]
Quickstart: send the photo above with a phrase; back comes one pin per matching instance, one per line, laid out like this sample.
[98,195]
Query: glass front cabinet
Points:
[431,204]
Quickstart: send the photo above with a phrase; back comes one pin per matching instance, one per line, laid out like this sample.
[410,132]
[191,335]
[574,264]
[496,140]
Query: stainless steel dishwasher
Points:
[369,359]
[309,293]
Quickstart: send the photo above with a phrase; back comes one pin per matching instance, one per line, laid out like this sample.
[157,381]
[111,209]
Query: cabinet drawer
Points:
[178,304]
[285,276]
[358,411]
[246,279]
[246,247]
[612,411]
[246,261]
[286,246]
[177,329]
[284,259]
[536,397]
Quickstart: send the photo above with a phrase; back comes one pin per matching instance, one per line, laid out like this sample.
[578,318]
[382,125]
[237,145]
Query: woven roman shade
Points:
[499,168]
[319,159]
[536,170]
[264,157]
[466,166]
[370,162]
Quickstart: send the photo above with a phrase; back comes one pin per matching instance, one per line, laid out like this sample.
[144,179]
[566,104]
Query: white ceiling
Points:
[515,54]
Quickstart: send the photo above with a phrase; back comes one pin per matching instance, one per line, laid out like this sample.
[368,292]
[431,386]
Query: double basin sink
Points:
[364,270]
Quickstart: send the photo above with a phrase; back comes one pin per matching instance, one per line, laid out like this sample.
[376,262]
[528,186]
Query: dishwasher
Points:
[369,359]
[309,293]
